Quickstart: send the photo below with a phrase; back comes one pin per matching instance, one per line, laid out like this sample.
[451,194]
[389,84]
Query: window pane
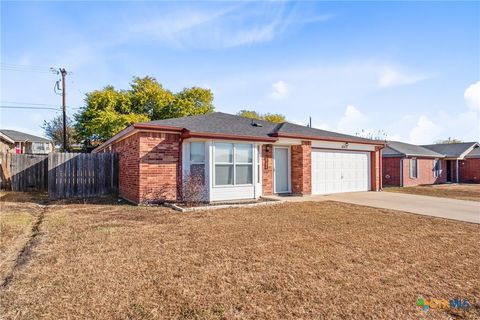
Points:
[197,152]
[224,152]
[413,165]
[197,172]
[223,174]
[244,174]
[243,153]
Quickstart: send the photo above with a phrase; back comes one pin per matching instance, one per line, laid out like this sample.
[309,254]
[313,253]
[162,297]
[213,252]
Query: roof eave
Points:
[7,138]
[133,127]
[157,127]
[440,156]
[299,136]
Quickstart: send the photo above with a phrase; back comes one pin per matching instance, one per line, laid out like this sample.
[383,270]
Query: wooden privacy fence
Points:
[82,174]
[63,175]
[24,172]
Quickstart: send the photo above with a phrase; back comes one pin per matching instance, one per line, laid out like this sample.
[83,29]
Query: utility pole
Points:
[56,88]
[63,72]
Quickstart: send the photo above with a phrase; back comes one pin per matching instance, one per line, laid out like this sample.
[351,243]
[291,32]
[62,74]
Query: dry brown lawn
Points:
[289,261]
[454,191]
[16,222]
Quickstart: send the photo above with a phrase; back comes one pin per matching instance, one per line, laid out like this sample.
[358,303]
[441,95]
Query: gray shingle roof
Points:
[451,150]
[475,153]
[402,149]
[21,136]
[218,122]
[290,128]
[224,123]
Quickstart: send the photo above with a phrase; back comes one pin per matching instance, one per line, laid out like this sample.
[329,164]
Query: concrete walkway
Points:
[462,210]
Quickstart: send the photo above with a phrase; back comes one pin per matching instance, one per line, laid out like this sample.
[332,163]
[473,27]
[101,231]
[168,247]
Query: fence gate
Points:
[82,174]
[27,172]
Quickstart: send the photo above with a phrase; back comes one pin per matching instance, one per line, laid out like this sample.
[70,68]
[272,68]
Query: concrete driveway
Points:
[462,210]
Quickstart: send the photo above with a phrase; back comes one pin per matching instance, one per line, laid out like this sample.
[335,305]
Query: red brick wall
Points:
[267,170]
[375,170]
[391,171]
[148,167]
[469,170]
[302,168]
[425,175]
[159,161]
[128,167]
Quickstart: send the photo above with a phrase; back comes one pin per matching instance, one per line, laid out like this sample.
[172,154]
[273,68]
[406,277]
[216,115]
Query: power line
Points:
[24,68]
[31,108]
[31,103]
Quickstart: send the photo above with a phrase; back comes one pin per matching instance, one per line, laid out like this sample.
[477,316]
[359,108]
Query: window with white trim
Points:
[233,164]
[38,146]
[437,168]
[197,159]
[413,168]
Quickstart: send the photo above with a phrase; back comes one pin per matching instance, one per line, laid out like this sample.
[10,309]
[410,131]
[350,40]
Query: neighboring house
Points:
[406,164]
[469,168]
[240,158]
[459,166]
[18,142]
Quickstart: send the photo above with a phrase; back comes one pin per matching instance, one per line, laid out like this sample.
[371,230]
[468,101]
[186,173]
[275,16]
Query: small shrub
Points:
[193,188]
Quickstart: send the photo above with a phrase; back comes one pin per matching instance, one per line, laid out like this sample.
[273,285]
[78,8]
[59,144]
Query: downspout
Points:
[456,170]
[380,161]
[180,170]
[401,172]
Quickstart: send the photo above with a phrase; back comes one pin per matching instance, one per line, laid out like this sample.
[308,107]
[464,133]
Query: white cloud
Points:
[472,96]
[222,26]
[280,90]
[352,121]
[425,131]
[391,77]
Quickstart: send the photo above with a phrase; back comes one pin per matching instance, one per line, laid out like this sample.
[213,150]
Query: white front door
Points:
[280,168]
[340,171]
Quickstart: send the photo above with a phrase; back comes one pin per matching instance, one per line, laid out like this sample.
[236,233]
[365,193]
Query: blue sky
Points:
[409,69]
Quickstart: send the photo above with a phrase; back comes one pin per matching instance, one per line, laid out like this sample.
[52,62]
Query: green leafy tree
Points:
[272,117]
[148,97]
[108,111]
[249,114]
[54,131]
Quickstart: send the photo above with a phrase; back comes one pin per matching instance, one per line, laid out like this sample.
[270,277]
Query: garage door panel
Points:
[340,171]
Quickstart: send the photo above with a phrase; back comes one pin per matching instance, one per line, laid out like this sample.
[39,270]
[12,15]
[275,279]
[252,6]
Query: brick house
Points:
[240,158]
[462,161]
[406,164]
[469,167]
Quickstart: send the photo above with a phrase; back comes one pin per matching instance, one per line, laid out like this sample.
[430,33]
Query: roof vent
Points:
[255,124]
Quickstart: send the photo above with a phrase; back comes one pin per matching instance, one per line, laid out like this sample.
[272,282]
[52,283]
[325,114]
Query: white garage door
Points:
[340,171]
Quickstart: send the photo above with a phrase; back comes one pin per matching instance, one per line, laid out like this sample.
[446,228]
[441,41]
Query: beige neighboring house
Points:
[12,141]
